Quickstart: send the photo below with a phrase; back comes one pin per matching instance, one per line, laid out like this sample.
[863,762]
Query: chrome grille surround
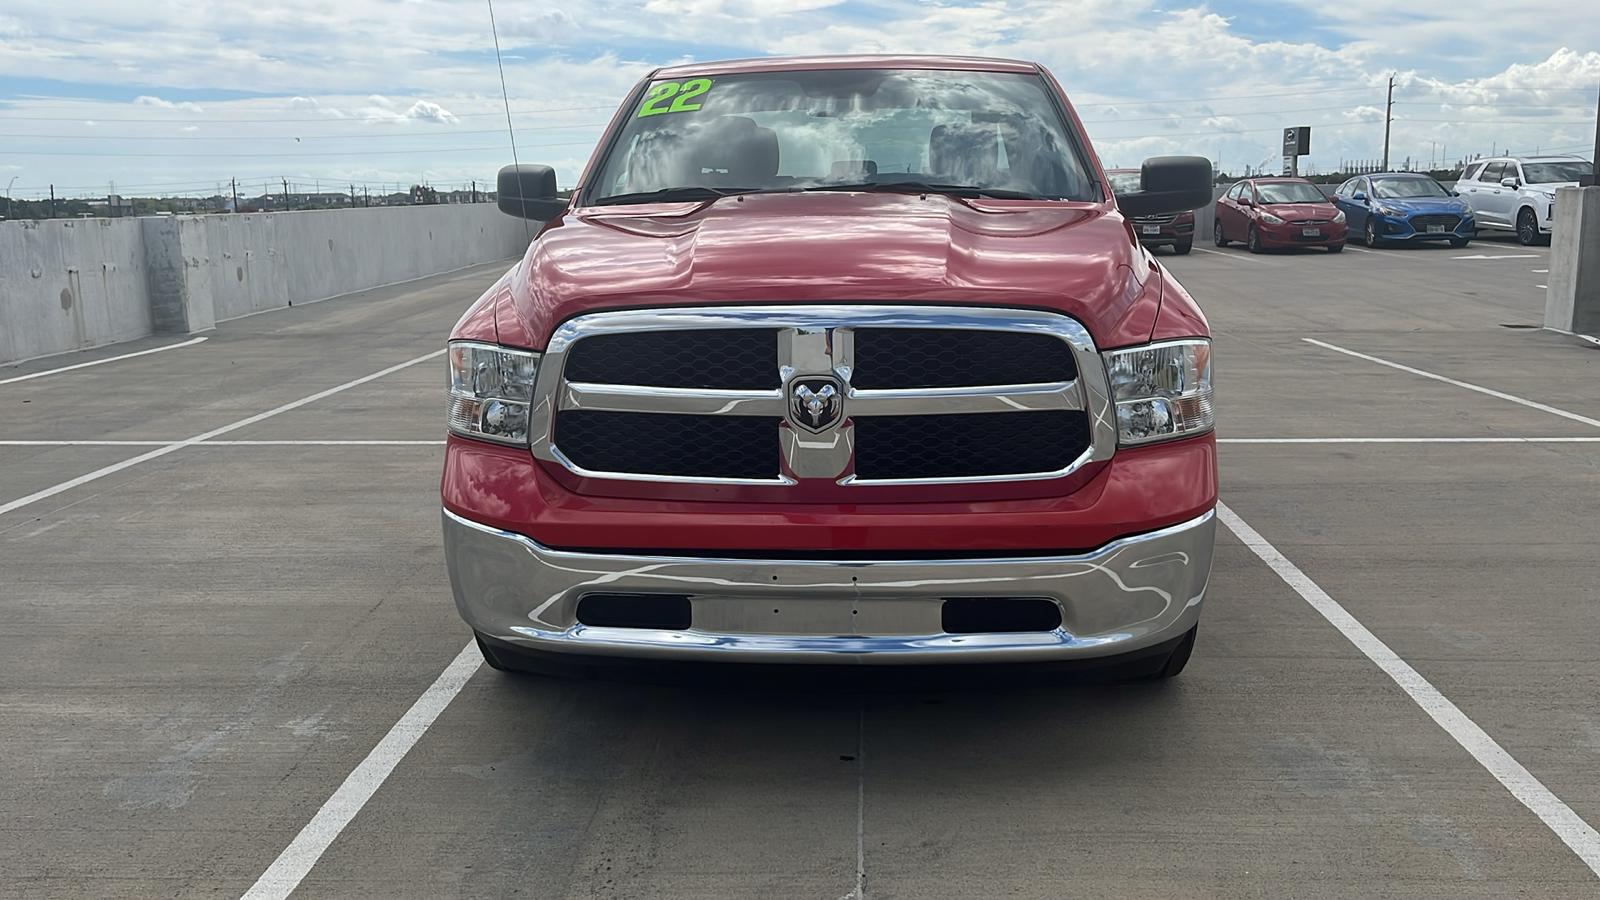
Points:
[818,342]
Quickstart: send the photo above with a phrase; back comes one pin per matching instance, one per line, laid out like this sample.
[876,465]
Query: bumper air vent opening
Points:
[996,615]
[659,612]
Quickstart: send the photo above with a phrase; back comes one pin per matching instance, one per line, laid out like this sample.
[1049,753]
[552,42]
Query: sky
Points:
[167,97]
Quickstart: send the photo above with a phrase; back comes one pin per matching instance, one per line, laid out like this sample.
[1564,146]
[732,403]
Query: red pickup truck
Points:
[842,360]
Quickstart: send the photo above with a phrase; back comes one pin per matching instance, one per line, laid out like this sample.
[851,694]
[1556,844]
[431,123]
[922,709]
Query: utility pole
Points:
[235,183]
[1388,119]
[474,190]
[1595,178]
[52,201]
[352,195]
[285,193]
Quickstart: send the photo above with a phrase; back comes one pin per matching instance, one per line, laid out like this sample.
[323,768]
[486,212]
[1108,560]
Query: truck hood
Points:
[1077,258]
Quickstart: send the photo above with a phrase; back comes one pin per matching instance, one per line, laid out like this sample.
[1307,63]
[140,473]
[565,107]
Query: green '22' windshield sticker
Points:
[679,94]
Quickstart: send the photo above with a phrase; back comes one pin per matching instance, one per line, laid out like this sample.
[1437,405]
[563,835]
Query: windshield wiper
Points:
[671,195]
[923,187]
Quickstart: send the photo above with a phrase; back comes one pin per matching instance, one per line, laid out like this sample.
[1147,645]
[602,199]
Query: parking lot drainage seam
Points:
[1471,387]
[96,362]
[295,862]
[202,438]
[1573,831]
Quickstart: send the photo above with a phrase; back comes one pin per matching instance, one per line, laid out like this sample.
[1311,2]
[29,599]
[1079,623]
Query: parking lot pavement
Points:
[199,651]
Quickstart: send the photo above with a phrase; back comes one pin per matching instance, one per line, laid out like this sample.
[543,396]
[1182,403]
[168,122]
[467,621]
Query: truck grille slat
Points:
[719,359]
[898,358]
[968,446]
[681,446]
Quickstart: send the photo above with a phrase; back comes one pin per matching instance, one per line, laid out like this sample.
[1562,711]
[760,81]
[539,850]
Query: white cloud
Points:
[427,109]
[145,100]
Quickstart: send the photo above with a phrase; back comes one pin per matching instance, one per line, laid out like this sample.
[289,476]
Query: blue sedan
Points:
[1402,207]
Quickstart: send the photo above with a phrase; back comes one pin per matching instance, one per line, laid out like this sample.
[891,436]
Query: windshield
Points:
[1403,188]
[1557,172]
[1123,182]
[1290,192]
[998,133]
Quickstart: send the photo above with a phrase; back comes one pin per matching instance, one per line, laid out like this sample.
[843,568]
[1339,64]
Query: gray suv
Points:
[1518,193]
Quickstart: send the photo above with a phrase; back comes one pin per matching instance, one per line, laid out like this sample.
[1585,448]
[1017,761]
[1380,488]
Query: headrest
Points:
[850,168]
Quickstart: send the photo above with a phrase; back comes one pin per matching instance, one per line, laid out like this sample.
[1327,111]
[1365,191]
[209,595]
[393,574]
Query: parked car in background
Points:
[1175,230]
[1518,193]
[1266,213]
[1395,207]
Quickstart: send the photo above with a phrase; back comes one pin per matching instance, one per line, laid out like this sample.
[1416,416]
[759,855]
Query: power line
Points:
[258,138]
[267,120]
[486,149]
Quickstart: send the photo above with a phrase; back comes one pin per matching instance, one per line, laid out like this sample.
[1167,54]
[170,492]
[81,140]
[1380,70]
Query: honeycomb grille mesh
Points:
[898,358]
[660,444]
[716,359]
[969,445]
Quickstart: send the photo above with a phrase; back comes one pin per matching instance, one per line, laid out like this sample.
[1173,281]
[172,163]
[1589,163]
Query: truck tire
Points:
[1179,658]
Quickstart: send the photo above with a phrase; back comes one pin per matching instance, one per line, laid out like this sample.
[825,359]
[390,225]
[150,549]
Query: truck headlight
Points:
[1162,391]
[491,388]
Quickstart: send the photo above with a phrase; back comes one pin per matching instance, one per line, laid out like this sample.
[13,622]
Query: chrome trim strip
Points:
[681,401]
[1130,593]
[819,340]
[951,401]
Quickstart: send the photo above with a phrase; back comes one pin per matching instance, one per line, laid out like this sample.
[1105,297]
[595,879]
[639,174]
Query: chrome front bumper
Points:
[1128,595]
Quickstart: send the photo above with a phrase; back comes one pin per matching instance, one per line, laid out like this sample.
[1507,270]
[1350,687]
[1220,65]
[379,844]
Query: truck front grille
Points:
[854,394]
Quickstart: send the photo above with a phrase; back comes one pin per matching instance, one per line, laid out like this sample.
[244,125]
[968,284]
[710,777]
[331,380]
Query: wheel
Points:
[1183,247]
[1216,234]
[1528,229]
[1253,240]
[1371,238]
[1179,658]
[1335,248]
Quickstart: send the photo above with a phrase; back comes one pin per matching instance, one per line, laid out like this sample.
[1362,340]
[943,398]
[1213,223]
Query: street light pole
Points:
[8,195]
[1388,119]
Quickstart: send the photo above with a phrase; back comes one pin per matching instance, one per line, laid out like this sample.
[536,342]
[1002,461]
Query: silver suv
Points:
[1519,193]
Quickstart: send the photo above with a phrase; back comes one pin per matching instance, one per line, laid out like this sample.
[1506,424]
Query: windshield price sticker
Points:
[656,102]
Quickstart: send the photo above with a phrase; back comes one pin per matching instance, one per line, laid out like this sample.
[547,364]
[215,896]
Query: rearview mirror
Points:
[1169,184]
[529,192]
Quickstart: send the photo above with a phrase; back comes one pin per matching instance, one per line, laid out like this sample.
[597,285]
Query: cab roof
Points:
[814,63]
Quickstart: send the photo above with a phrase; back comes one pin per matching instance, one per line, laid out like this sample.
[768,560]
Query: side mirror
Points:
[1169,184]
[529,192]
[1359,195]
[1508,183]
[1246,201]
[1455,193]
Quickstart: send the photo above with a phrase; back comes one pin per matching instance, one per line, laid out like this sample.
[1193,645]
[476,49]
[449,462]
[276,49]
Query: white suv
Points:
[1518,193]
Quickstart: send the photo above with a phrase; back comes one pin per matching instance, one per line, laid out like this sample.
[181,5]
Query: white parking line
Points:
[222,443]
[1507,256]
[295,862]
[1359,249]
[1573,831]
[1471,387]
[1233,256]
[97,362]
[206,436]
[1416,440]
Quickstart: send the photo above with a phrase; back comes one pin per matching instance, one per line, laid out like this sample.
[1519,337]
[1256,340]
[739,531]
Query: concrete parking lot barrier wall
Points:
[1572,299]
[70,284]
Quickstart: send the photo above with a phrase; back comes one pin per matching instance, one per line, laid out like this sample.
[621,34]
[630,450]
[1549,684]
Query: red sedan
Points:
[1278,212]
